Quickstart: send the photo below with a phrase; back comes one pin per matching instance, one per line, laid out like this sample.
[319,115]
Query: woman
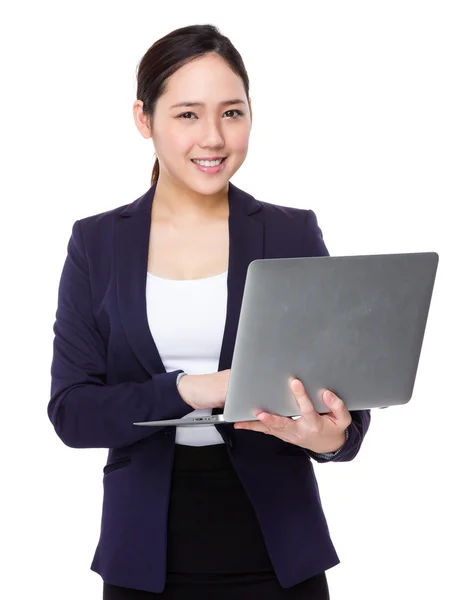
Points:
[148,309]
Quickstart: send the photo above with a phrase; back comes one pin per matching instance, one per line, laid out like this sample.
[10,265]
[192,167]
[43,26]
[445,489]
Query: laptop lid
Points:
[351,324]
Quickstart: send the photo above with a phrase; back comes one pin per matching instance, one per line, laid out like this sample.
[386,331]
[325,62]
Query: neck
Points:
[173,201]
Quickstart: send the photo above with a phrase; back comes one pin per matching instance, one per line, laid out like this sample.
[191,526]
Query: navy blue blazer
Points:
[107,374]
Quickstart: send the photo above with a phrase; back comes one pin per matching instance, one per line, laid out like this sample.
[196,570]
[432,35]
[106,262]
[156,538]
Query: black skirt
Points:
[215,547]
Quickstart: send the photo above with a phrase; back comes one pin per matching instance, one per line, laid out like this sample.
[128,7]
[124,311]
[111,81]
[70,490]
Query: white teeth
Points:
[208,163]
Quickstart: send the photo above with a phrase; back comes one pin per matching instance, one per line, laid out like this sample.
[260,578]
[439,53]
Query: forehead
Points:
[205,79]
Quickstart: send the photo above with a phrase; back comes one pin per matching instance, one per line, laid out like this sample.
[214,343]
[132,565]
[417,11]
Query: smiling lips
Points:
[214,164]
[209,162]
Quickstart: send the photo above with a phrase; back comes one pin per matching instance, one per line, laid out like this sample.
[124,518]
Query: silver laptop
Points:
[350,324]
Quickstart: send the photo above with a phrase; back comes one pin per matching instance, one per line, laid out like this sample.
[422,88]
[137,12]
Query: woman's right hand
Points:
[204,391]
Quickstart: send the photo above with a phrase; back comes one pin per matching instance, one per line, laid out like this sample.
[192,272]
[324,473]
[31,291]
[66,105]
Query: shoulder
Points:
[269,211]
[100,220]
[274,211]
[289,216]
[280,211]
[291,223]
[99,226]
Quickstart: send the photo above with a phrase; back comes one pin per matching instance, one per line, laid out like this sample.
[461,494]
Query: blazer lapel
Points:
[131,253]
[246,234]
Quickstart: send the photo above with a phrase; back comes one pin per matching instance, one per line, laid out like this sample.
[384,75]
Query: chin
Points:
[208,188]
[207,185]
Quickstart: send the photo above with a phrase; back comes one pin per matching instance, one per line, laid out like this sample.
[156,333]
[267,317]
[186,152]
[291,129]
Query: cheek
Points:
[238,140]
[170,141]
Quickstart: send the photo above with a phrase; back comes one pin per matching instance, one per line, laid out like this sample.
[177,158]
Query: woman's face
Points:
[202,115]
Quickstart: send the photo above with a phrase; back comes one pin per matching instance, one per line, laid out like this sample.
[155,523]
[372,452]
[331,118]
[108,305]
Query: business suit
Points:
[107,373]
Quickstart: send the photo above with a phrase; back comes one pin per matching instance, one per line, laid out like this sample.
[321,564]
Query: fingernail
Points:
[328,396]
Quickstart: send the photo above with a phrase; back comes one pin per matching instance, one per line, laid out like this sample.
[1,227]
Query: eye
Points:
[239,113]
[187,116]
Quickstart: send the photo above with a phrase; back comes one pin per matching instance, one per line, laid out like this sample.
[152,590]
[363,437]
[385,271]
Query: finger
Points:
[305,404]
[274,421]
[337,407]
[266,423]
[253,426]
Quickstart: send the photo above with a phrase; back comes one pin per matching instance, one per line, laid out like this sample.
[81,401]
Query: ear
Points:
[141,119]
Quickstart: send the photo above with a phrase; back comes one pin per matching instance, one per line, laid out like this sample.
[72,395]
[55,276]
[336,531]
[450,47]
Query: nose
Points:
[211,135]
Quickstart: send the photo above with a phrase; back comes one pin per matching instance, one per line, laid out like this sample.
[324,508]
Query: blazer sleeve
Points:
[355,433]
[84,410]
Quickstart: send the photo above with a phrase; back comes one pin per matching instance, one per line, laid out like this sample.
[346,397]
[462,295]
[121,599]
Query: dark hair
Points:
[173,51]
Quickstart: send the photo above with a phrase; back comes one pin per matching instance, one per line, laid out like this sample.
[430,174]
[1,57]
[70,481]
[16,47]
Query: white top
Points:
[187,321]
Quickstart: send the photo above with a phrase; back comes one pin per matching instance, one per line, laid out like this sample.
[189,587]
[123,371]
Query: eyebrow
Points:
[224,103]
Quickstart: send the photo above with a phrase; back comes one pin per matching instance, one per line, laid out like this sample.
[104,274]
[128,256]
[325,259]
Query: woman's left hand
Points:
[320,433]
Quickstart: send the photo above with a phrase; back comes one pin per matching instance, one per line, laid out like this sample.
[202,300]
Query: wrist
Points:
[180,375]
[332,446]
[184,388]
[333,453]
[339,444]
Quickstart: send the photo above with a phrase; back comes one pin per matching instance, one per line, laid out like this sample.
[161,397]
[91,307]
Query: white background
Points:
[357,115]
